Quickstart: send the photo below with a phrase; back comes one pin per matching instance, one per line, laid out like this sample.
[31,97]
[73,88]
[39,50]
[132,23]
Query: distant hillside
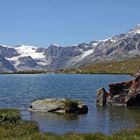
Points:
[130,66]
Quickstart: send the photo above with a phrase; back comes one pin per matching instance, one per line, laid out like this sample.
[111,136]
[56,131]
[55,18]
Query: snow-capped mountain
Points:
[54,57]
[28,58]
[134,31]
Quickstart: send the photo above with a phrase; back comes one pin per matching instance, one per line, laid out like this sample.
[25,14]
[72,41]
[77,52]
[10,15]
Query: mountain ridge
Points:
[118,47]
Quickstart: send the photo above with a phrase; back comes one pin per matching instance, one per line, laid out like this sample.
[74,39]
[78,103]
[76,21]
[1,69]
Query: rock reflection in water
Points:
[113,118]
[18,91]
[68,122]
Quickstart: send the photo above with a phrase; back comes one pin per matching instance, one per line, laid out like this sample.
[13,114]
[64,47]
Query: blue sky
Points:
[64,22]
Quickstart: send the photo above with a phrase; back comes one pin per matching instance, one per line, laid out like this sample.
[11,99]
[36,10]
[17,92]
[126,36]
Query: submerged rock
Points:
[124,93]
[55,105]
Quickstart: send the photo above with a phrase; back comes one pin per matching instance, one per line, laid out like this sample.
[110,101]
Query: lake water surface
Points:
[18,91]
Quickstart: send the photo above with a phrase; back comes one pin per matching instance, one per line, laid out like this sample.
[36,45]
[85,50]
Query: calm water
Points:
[18,91]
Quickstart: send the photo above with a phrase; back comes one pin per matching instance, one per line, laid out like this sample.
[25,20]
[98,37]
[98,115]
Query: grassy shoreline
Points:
[92,73]
[13,128]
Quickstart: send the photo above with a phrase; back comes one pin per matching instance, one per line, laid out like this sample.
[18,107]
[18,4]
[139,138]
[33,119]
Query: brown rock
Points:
[133,97]
[124,93]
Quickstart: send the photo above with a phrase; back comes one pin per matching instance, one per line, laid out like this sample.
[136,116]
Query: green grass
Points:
[27,72]
[10,115]
[68,103]
[28,130]
[129,66]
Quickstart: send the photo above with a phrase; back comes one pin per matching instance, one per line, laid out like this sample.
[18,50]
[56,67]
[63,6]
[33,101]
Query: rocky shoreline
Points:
[122,94]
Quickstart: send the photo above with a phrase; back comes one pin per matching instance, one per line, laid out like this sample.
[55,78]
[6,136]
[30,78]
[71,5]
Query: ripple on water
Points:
[20,90]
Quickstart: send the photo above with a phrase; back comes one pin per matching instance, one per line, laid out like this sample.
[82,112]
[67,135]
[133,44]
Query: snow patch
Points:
[104,40]
[94,43]
[14,59]
[81,50]
[42,63]
[135,30]
[108,39]
[113,40]
[5,46]
[86,53]
[56,45]
[25,51]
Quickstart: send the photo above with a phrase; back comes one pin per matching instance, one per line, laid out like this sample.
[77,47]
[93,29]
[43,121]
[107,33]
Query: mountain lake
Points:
[19,90]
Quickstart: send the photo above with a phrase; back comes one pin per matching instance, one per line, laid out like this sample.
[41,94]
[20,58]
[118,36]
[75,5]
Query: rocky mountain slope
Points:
[54,57]
[128,66]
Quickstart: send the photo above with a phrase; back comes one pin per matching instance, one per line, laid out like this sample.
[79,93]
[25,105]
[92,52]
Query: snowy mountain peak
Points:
[25,46]
[94,43]
[135,30]
[54,46]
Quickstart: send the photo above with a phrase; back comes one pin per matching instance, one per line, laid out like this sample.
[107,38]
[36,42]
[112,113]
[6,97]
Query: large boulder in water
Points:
[58,106]
[101,96]
[124,93]
[133,96]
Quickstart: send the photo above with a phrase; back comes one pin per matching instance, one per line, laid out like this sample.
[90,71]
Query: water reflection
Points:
[18,91]
[56,122]
[114,118]
[54,116]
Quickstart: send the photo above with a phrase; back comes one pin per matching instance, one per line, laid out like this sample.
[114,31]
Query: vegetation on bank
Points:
[30,72]
[70,103]
[13,128]
[129,66]
[26,72]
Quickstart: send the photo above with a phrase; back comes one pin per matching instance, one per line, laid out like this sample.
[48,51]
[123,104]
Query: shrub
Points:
[70,104]
[10,115]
